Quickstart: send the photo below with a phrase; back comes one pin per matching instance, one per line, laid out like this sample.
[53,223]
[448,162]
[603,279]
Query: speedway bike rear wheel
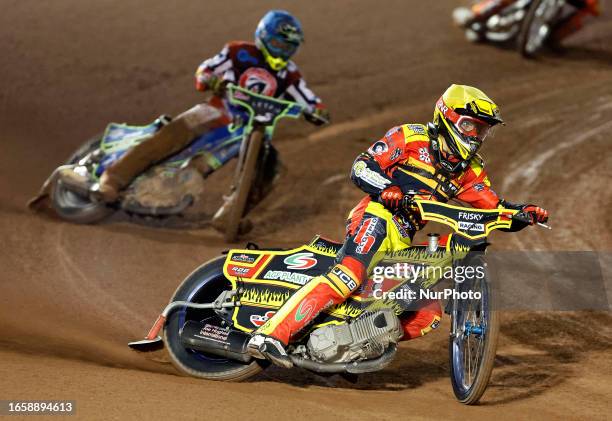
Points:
[538,26]
[75,208]
[473,339]
[202,286]
[245,176]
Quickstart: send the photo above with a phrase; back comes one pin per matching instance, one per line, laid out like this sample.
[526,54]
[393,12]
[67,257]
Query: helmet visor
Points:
[281,48]
[474,129]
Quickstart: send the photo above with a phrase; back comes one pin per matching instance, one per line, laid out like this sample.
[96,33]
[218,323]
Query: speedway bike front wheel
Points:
[538,26]
[245,176]
[473,339]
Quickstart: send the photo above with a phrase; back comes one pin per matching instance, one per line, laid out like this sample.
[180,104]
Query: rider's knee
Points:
[357,267]
[343,279]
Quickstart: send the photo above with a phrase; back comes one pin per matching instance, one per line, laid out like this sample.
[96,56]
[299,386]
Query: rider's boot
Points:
[421,321]
[302,307]
[69,176]
[269,348]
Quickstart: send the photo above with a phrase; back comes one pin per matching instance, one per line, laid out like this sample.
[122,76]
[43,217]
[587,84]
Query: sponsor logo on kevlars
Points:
[300,261]
[292,277]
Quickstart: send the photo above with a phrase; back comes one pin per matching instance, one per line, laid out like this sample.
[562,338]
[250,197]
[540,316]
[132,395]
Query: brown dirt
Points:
[71,297]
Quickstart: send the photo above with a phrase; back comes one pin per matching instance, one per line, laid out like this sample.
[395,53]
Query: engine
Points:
[363,338]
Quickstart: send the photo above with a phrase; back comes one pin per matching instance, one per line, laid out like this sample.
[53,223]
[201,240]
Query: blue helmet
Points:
[278,36]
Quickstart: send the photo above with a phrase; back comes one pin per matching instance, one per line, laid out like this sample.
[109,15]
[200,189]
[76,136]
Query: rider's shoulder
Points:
[292,67]
[394,135]
[235,46]
[414,132]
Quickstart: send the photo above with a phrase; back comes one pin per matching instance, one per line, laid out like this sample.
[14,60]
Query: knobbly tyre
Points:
[173,185]
[207,324]
[529,23]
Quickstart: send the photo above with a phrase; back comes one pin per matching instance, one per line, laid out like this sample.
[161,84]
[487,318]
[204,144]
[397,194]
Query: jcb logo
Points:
[345,278]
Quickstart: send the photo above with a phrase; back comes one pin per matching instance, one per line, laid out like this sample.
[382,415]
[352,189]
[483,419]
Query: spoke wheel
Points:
[473,341]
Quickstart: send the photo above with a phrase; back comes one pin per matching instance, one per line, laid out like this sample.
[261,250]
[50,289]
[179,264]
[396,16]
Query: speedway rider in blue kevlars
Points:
[263,66]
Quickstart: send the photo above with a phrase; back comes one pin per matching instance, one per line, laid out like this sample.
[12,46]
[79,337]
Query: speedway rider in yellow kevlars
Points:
[437,161]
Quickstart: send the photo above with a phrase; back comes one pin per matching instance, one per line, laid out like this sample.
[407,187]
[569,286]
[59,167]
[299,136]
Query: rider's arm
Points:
[298,91]
[368,171]
[476,187]
[368,176]
[218,67]
[476,191]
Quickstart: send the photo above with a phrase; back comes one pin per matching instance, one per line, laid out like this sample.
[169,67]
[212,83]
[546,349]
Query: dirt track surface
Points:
[71,297]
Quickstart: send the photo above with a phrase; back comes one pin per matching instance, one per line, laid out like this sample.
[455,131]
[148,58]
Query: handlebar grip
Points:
[522,217]
[314,118]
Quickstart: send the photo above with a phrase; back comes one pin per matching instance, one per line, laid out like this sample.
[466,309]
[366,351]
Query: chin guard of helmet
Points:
[435,149]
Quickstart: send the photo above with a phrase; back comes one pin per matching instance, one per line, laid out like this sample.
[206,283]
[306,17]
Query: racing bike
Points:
[172,186]
[207,323]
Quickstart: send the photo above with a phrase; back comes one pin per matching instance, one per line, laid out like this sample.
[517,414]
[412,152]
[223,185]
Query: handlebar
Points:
[314,118]
[269,107]
[441,212]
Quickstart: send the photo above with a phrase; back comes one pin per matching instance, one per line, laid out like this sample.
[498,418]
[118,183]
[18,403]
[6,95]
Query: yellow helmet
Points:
[464,116]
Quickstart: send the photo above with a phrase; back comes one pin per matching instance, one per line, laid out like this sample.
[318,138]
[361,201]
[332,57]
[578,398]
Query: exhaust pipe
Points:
[355,367]
[213,339]
[153,341]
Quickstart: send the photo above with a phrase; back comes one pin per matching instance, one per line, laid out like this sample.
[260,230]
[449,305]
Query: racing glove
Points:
[318,116]
[391,198]
[536,213]
[217,85]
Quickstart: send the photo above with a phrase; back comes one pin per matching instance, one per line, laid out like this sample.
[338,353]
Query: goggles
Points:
[281,48]
[473,128]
